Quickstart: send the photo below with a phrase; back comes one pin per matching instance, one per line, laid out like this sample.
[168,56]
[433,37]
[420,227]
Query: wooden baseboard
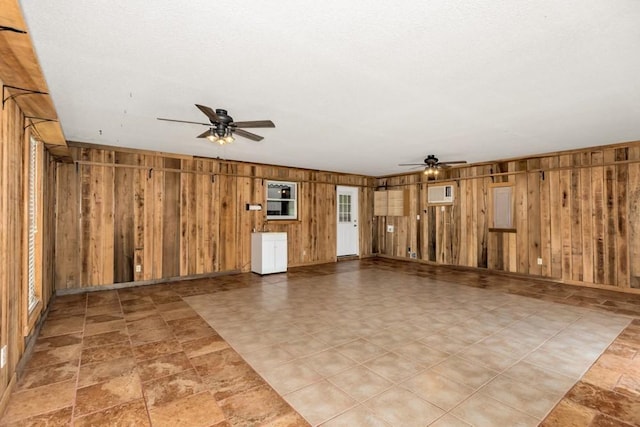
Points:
[71,291]
[4,400]
[515,275]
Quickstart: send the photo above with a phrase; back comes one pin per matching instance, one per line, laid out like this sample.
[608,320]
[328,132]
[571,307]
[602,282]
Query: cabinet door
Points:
[280,255]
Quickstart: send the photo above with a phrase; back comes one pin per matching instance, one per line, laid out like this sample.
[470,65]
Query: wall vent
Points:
[440,194]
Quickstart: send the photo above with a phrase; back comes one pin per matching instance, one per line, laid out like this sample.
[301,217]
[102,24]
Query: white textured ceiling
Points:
[352,86]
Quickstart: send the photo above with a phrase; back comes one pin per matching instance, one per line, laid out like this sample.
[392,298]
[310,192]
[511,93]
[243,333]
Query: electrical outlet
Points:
[539,261]
[409,250]
[413,255]
[138,268]
[389,228]
[418,217]
[3,357]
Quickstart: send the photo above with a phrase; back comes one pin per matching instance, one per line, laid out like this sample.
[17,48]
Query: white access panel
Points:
[268,253]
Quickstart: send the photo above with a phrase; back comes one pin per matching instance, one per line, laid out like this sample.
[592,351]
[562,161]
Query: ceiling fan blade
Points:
[254,124]
[454,162]
[249,135]
[204,134]
[184,121]
[209,113]
[411,164]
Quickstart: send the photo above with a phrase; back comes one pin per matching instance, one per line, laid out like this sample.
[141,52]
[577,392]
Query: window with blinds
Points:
[33,222]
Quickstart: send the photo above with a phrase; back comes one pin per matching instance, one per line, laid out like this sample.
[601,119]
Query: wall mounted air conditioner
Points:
[440,194]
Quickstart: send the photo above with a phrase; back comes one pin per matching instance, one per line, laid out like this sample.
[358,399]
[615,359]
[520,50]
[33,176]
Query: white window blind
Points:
[33,222]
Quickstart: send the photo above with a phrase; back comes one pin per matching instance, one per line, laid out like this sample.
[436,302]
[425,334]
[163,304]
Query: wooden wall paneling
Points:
[157,178]
[124,199]
[622,250]
[555,216]
[599,208]
[244,223]
[576,217]
[565,215]
[545,218]
[611,215]
[211,216]
[171,222]
[227,204]
[522,223]
[534,218]
[67,248]
[140,177]
[482,216]
[586,222]
[189,258]
[633,215]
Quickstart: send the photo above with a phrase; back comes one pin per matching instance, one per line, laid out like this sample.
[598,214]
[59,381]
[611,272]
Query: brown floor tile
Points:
[113,309]
[137,301]
[132,414]
[162,366]
[134,311]
[202,346]
[166,299]
[106,352]
[150,335]
[152,322]
[609,403]
[106,338]
[175,305]
[167,389]
[186,335]
[629,385]
[100,372]
[605,421]
[225,373]
[106,394]
[257,406]
[101,328]
[50,343]
[101,318]
[62,326]
[181,313]
[32,378]
[57,418]
[291,419]
[187,323]
[156,349]
[198,410]
[37,401]
[102,298]
[54,356]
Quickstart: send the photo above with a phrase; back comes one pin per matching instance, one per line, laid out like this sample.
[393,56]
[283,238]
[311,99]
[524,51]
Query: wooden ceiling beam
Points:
[19,68]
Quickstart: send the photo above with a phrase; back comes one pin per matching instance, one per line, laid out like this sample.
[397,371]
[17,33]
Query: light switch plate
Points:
[3,357]
[389,228]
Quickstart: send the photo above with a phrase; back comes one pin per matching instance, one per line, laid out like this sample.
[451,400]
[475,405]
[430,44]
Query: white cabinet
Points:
[268,252]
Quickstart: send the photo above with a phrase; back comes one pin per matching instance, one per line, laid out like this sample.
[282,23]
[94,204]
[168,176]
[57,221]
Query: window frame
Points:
[294,200]
[492,212]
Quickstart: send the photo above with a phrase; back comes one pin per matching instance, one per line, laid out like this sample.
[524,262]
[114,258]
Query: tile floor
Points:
[402,350]
[373,342]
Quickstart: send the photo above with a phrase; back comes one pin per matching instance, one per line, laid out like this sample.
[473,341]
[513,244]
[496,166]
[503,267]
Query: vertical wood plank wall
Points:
[579,211]
[13,238]
[182,216]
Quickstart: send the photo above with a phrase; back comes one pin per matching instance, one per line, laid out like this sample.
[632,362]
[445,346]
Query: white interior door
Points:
[348,233]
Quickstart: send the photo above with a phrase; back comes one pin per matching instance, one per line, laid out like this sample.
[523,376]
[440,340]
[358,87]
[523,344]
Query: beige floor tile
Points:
[393,367]
[544,379]
[523,396]
[358,416]
[482,411]
[290,376]
[328,362]
[320,402]
[421,353]
[448,420]
[437,389]
[360,350]
[360,383]
[462,371]
[400,407]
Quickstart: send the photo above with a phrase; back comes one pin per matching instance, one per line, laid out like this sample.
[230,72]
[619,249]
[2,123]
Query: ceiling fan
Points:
[432,165]
[222,127]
